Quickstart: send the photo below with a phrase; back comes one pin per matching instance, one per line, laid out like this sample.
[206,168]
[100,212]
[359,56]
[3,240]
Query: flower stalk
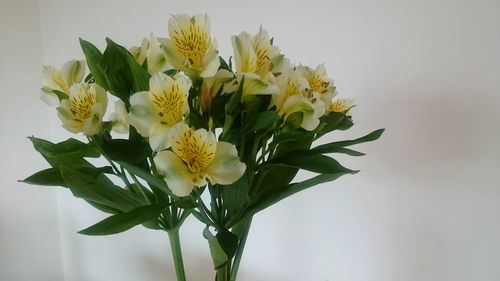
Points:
[175,245]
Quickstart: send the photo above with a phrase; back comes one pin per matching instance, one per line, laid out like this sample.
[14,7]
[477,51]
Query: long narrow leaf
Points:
[149,178]
[100,190]
[124,221]
[311,162]
[333,145]
[286,192]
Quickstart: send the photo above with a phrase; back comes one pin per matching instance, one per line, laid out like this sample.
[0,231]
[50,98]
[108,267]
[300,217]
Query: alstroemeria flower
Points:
[119,118]
[319,82]
[84,109]
[341,105]
[190,47]
[155,112]
[151,52]
[253,57]
[196,157]
[60,80]
[294,97]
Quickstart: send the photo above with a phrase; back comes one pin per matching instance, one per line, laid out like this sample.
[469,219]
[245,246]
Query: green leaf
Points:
[171,72]
[236,196]
[342,150]
[47,177]
[235,99]
[149,178]
[285,192]
[60,95]
[334,145]
[67,153]
[311,162]
[71,145]
[297,143]
[124,221]
[264,120]
[124,76]
[53,177]
[185,203]
[134,152]
[294,120]
[94,61]
[100,190]
[224,65]
[222,246]
[330,122]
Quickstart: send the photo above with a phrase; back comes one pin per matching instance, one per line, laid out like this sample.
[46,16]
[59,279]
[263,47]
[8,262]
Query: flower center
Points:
[339,105]
[262,64]
[169,104]
[318,83]
[192,43]
[195,149]
[81,104]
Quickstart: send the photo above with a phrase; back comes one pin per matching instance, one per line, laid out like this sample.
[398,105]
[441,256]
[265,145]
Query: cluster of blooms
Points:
[185,156]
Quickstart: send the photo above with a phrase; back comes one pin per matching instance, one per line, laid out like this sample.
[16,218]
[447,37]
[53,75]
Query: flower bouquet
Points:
[187,122]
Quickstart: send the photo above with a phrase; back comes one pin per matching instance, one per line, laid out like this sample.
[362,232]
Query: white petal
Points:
[119,118]
[159,82]
[309,122]
[73,71]
[244,54]
[226,167]
[253,85]
[49,99]
[177,174]
[141,116]
[159,137]
[172,55]
[212,64]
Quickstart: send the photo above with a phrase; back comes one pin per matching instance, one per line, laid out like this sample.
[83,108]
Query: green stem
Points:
[222,273]
[175,245]
[241,247]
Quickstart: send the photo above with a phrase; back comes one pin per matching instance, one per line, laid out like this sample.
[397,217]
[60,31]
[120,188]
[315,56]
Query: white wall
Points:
[425,206]
[29,233]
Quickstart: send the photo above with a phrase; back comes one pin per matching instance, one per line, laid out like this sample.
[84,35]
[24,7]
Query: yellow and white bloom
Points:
[84,109]
[341,105]
[119,118]
[253,57]
[155,112]
[196,158]
[319,82]
[190,47]
[294,97]
[60,80]
[151,52]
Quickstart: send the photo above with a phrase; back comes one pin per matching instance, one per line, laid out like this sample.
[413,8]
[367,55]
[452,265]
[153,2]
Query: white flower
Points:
[119,118]
[151,52]
[84,109]
[60,80]
[319,83]
[254,58]
[155,112]
[341,105]
[294,97]
[190,47]
[196,157]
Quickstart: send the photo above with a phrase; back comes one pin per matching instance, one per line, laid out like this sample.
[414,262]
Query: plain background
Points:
[425,206]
